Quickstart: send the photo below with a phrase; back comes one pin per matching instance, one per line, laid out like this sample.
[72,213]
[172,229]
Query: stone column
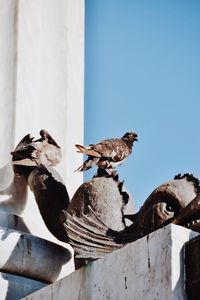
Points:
[49,91]
[8,44]
[41,75]
[50,83]
[41,56]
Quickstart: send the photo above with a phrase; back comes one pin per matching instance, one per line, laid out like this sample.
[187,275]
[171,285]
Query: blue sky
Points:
[142,74]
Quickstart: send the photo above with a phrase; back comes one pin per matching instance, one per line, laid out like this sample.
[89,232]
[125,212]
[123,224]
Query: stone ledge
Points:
[192,267]
[150,268]
[16,287]
[13,222]
[30,256]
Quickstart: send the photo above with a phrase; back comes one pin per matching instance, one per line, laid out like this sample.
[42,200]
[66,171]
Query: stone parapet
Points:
[30,256]
[27,262]
[16,287]
[150,268]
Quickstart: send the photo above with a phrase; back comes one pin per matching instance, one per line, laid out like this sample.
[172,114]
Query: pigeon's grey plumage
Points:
[109,153]
[30,152]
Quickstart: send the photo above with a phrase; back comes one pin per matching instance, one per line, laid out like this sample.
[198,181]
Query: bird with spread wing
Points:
[31,153]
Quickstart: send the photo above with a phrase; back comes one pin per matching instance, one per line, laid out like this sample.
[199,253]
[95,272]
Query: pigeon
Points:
[31,153]
[107,154]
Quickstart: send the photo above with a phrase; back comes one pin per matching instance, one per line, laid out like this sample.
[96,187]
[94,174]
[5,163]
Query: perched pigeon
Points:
[30,152]
[107,154]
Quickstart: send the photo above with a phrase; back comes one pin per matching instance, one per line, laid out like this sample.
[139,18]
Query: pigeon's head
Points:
[131,136]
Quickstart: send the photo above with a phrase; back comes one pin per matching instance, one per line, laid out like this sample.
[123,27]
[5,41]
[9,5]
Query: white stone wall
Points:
[8,49]
[150,268]
[41,86]
[41,75]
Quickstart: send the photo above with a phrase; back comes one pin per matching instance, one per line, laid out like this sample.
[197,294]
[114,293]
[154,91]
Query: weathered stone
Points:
[58,53]
[104,197]
[29,256]
[150,268]
[13,222]
[192,267]
[14,287]
[13,191]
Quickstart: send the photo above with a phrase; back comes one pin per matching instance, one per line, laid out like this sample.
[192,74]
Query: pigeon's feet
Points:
[111,173]
[114,175]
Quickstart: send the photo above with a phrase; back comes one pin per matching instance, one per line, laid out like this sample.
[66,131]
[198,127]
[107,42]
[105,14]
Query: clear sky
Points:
[142,74]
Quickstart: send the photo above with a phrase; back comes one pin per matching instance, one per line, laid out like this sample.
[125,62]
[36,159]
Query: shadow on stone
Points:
[15,287]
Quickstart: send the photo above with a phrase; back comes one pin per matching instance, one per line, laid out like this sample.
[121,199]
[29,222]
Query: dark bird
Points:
[30,152]
[109,153]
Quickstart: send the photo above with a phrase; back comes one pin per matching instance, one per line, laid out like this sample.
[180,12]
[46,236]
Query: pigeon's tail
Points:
[81,149]
[89,163]
[89,237]
[87,151]
[82,168]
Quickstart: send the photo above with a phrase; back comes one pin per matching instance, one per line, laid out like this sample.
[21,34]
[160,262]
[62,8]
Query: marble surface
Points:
[50,81]
[30,256]
[150,268]
[14,287]
[42,86]
[8,42]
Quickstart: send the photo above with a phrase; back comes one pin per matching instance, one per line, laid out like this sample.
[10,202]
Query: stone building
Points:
[42,86]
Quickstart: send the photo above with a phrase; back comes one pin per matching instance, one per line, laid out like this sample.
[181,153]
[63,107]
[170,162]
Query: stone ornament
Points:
[94,221]
[176,201]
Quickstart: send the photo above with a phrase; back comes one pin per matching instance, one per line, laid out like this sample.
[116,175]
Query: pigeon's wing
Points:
[24,149]
[89,237]
[87,151]
[114,149]
[30,152]
[47,137]
[27,140]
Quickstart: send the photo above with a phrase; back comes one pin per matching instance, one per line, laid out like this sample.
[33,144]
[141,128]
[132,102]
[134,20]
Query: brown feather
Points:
[87,151]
